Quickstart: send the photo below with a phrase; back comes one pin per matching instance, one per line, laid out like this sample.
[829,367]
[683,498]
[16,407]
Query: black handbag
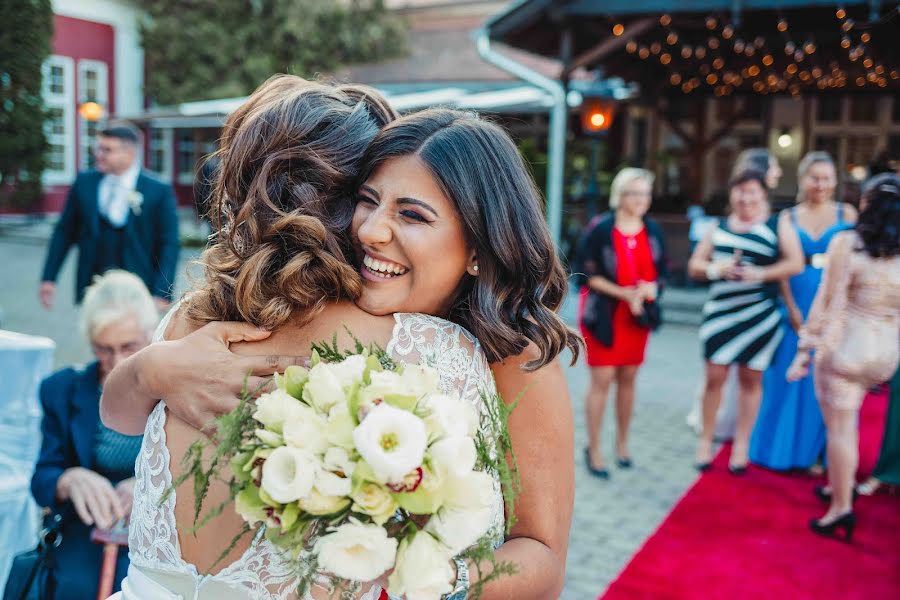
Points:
[31,574]
[651,318]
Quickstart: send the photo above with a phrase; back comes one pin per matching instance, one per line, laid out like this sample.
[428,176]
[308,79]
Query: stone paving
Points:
[612,518]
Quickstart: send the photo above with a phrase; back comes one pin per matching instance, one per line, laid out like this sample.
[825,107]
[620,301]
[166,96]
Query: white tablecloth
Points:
[24,361]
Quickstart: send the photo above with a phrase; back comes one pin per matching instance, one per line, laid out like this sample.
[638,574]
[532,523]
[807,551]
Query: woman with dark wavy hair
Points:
[852,329]
[446,222]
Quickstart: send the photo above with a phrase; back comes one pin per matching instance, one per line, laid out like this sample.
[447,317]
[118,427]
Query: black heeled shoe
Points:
[846,522]
[703,467]
[624,462]
[737,469]
[823,494]
[600,473]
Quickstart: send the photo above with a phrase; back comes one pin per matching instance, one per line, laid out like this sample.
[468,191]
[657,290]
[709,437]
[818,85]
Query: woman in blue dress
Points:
[789,432]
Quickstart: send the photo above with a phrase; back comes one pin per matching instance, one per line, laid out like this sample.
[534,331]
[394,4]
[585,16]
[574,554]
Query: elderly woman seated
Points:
[85,471]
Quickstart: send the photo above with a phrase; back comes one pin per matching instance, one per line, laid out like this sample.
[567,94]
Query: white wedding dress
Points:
[157,570]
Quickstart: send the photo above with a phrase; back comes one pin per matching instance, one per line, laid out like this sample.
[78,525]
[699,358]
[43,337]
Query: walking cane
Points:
[111,540]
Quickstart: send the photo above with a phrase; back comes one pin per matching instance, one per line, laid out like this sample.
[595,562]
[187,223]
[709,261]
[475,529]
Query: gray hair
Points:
[116,295]
[623,178]
[811,158]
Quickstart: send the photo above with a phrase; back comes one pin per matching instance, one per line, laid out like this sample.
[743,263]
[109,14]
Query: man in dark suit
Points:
[120,217]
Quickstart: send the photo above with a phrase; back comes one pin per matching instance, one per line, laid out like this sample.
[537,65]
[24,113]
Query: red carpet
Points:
[743,538]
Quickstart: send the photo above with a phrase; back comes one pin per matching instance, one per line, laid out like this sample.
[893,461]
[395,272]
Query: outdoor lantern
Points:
[597,115]
[91,111]
[785,139]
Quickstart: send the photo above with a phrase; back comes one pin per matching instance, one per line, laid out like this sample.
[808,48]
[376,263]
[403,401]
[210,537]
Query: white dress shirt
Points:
[113,194]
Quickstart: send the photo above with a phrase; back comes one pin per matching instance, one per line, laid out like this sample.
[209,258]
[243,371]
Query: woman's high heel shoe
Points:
[846,522]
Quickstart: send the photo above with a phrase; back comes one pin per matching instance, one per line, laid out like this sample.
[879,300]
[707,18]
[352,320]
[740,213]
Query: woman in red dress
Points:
[623,260]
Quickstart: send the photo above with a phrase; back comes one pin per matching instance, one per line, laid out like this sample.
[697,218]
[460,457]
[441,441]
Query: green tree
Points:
[25,31]
[206,49]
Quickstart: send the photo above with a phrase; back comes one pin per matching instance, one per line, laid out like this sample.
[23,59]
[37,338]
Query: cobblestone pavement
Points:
[612,518]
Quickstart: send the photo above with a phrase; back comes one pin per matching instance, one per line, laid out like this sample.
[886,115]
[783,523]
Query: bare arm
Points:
[195,372]
[701,259]
[831,292]
[791,261]
[542,433]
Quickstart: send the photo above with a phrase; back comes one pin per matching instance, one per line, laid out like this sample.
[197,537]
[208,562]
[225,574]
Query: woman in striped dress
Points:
[744,257]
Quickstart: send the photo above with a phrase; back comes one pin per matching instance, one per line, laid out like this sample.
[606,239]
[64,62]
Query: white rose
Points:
[374,500]
[423,570]
[289,473]
[449,416]
[392,441]
[339,428]
[421,380]
[466,513]
[338,460]
[276,407]
[350,370]
[306,429]
[320,504]
[323,389]
[454,456]
[356,552]
[332,484]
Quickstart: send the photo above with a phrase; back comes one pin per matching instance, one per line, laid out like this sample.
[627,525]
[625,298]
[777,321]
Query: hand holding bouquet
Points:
[360,468]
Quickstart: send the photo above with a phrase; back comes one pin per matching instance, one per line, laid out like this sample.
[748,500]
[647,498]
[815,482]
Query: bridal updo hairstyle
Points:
[879,223]
[287,157]
[521,281]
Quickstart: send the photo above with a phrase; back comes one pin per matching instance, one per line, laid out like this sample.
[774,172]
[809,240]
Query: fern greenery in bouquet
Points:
[359,467]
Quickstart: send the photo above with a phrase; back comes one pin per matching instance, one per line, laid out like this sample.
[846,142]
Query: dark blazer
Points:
[596,256]
[151,238]
[70,399]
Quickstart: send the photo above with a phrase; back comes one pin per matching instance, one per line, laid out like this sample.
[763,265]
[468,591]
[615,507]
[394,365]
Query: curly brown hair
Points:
[287,158]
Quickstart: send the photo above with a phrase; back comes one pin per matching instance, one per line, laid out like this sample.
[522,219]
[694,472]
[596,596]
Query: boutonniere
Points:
[135,200]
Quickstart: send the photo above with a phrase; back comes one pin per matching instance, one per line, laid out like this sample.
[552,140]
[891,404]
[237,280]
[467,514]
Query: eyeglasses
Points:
[103,351]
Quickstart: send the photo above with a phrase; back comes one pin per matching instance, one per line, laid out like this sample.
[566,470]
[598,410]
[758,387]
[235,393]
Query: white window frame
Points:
[167,155]
[86,142]
[66,102]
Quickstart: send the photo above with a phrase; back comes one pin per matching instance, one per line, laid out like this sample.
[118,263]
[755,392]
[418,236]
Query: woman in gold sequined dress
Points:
[853,329]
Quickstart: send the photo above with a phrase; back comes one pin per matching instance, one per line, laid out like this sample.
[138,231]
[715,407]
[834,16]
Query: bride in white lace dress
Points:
[440,190]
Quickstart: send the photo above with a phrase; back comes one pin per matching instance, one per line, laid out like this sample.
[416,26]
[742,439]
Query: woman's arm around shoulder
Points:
[192,368]
[542,433]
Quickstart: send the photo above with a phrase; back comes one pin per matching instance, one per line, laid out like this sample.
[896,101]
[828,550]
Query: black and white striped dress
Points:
[742,320]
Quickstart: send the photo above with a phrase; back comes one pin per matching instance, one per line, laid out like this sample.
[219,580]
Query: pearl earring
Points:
[475,268]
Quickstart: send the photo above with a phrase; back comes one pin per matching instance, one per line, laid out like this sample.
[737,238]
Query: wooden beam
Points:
[725,129]
[609,45]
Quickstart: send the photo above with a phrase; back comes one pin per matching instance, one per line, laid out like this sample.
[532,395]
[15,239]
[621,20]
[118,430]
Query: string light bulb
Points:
[686,52]
[675,79]
[665,20]
[618,29]
[845,42]
[631,47]
[665,58]
[840,13]
[711,23]
[643,53]
[738,46]
[865,37]
[768,60]
[867,63]
[672,38]
[782,26]
[727,32]
[809,48]
[655,48]
[713,43]
[718,63]
[700,52]
[847,25]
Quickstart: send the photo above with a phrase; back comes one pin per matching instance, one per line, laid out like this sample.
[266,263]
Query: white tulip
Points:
[306,429]
[421,380]
[356,552]
[454,456]
[276,407]
[289,473]
[448,416]
[392,441]
[466,513]
[339,427]
[350,370]
[423,570]
[324,389]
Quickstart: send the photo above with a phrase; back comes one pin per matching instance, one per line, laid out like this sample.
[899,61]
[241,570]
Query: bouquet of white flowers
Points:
[358,467]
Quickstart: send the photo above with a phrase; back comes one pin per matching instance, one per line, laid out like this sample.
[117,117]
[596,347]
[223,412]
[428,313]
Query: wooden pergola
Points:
[714,48]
